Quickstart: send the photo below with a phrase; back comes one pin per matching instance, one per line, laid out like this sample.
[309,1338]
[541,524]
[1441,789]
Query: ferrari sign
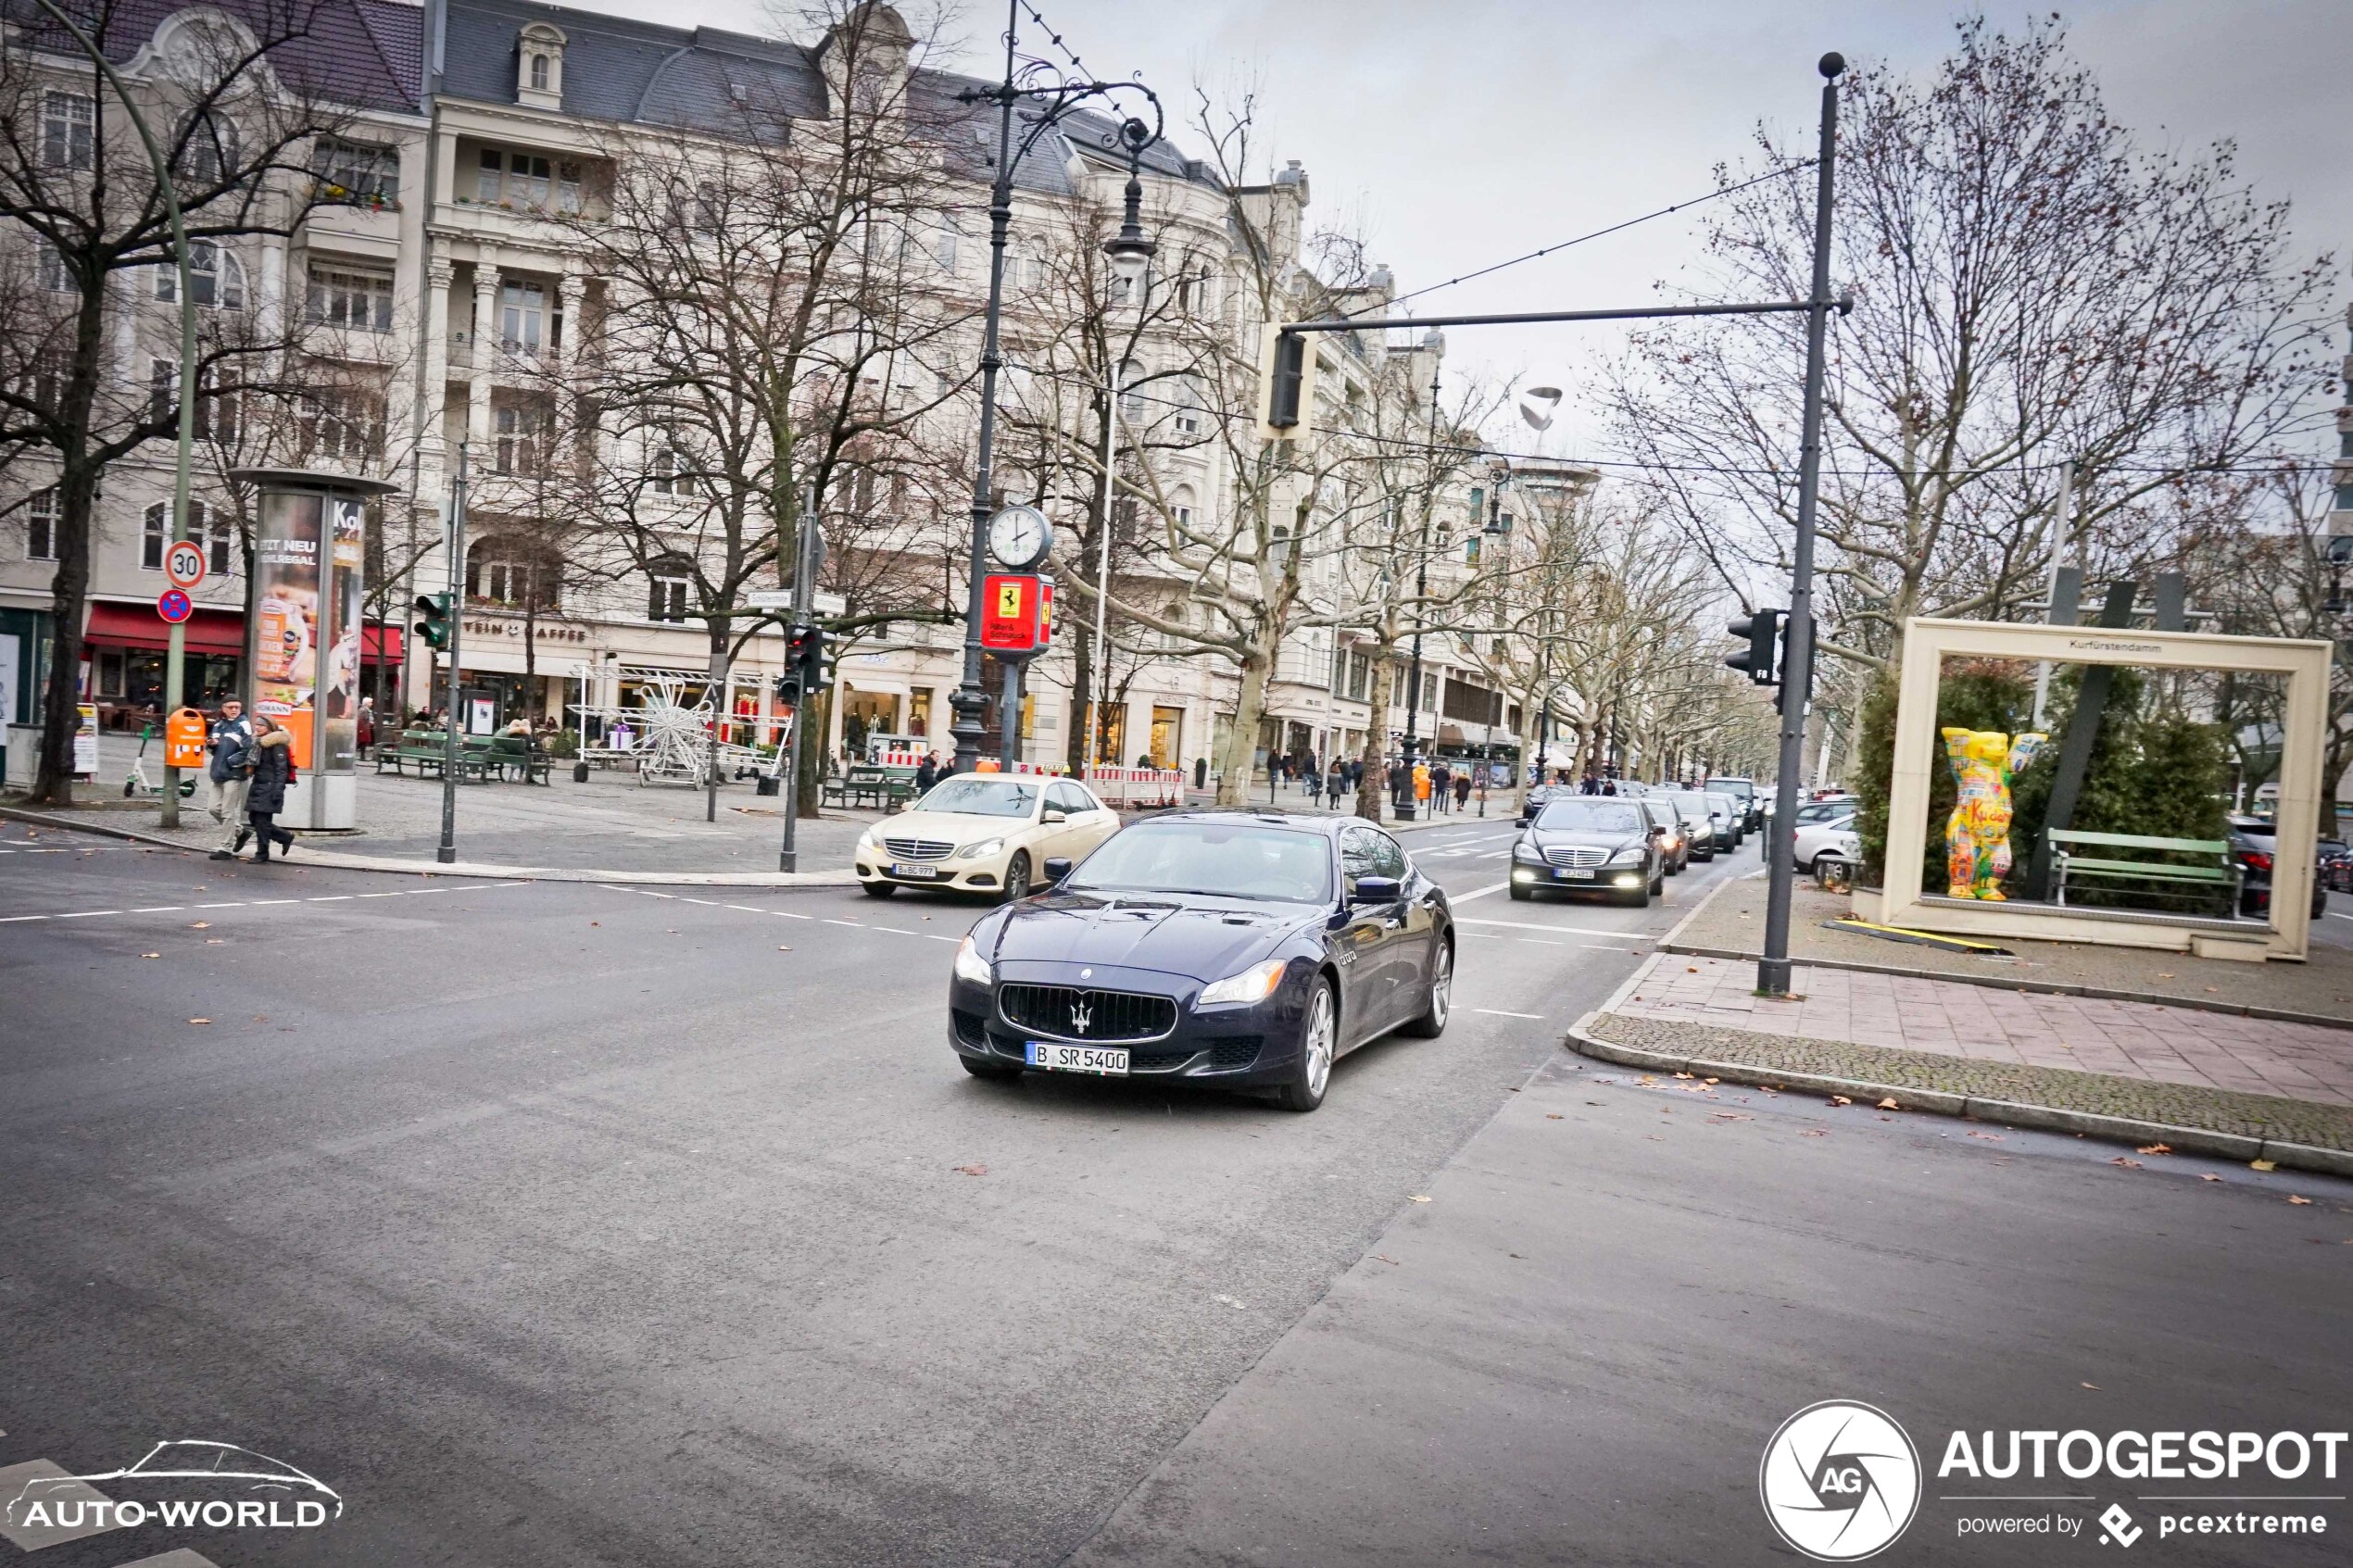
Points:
[183,563]
[1015,619]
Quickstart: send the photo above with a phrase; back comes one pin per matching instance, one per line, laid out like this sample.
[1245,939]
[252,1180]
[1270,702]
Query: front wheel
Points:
[1432,1023]
[1017,877]
[1318,1043]
[1522,893]
[878,890]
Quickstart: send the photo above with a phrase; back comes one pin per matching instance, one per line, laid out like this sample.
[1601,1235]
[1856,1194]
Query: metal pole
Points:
[804,582]
[1103,579]
[176,637]
[2059,513]
[719,703]
[1797,675]
[447,851]
[968,701]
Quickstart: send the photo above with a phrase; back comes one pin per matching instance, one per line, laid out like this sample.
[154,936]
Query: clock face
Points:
[1019,536]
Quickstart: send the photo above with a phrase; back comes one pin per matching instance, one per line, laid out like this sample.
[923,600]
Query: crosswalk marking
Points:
[182,1558]
[265,903]
[32,1538]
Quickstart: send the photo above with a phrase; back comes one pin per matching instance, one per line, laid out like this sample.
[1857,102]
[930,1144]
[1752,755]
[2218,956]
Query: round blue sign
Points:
[174,605]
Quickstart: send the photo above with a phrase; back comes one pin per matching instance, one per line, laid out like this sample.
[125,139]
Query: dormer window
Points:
[539,77]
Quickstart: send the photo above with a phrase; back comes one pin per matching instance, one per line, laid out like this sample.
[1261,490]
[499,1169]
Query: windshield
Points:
[1585,814]
[1690,803]
[1738,788]
[1235,860]
[978,796]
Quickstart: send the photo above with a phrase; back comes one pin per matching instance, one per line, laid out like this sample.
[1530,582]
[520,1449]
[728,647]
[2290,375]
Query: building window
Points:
[356,171]
[220,538]
[538,73]
[215,277]
[950,237]
[1186,417]
[511,573]
[40,526]
[672,474]
[668,581]
[344,425]
[155,532]
[1470,550]
[68,130]
[361,301]
[526,181]
[1131,394]
[519,427]
[1180,505]
[208,152]
[49,269]
[523,317]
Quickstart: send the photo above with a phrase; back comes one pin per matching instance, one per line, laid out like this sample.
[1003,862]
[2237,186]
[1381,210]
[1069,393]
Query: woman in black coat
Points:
[272,757]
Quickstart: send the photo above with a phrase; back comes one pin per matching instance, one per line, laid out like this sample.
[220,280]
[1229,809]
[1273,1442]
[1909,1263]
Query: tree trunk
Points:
[1241,745]
[1375,782]
[813,719]
[77,492]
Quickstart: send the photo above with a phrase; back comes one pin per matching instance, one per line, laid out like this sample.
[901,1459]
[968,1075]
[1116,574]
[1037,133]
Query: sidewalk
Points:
[2225,1083]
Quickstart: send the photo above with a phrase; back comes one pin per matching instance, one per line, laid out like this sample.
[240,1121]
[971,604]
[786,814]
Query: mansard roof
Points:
[363,53]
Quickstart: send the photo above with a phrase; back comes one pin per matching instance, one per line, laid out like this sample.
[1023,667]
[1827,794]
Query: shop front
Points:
[128,645]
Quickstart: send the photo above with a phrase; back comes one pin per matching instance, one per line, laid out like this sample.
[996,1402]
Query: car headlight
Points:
[969,965]
[1528,854]
[1627,856]
[980,851]
[870,839]
[1253,985]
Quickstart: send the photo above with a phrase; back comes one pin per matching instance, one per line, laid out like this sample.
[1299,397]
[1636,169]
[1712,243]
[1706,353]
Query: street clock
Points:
[1020,538]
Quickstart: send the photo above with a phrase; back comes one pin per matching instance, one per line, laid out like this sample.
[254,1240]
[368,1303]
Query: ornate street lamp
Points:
[1044,94]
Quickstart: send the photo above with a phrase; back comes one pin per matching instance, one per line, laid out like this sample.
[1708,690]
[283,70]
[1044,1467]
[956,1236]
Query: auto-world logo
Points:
[1840,1480]
[181,1485]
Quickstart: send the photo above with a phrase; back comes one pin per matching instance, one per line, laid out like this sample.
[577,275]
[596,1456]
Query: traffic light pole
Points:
[446,852]
[1797,673]
[804,585]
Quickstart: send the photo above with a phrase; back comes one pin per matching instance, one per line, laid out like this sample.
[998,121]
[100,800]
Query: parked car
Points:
[982,833]
[1819,838]
[2336,865]
[1538,795]
[2254,845]
[1236,948]
[1672,842]
[1699,828]
[1588,844]
[1745,792]
[1730,818]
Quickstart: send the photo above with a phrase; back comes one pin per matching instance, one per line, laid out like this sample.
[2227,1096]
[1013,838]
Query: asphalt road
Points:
[562,1225]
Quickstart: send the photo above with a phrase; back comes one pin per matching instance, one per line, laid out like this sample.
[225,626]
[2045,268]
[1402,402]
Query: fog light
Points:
[1522,873]
[1628,881]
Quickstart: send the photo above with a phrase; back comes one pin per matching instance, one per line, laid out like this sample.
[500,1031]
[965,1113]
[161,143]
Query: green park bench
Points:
[426,751]
[879,787]
[514,755]
[2216,872]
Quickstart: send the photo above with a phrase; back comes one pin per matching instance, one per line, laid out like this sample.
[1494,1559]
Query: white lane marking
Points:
[937,937]
[401,893]
[1499,1012]
[157,909]
[1476,893]
[258,902]
[851,923]
[710,903]
[1565,930]
[12,919]
[85,914]
[333,897]
[238,905]
[746,908]
[895,930]
[787,914]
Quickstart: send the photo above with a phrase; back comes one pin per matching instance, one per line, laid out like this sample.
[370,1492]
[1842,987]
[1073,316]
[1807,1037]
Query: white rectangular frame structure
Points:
[1928,643]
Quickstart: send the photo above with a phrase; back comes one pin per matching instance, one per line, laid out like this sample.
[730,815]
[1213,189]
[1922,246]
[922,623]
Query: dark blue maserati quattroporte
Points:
[1238,948]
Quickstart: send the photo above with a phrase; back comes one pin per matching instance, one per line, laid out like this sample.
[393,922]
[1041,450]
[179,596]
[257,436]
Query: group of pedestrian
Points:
[252,765]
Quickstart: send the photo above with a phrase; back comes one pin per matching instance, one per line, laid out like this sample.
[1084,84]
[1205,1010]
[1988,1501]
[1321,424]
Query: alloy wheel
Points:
[1316,1043]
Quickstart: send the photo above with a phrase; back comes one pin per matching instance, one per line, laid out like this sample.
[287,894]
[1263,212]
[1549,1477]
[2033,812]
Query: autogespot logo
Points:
[1840,1480]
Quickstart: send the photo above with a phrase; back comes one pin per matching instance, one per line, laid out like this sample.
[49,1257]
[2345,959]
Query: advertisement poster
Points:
[339,685]
[285,637]
[86,741]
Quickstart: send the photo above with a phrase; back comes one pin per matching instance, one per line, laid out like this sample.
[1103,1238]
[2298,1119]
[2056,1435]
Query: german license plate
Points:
[926,871]
[1078,1059]
[1575,874]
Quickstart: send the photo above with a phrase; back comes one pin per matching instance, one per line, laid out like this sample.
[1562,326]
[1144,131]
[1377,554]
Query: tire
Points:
[1318,1043]
[1640,898]
[1658,882]
[878,890]
[1016,877]
[1432,1023]
[1522,893]
[994,1071]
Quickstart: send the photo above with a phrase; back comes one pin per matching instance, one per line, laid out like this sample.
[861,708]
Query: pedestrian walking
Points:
[229,773]
[273,770]
[1311,780]
[927,773]
[1336,782]
[1421,784]
[1462,790]
[1441,786]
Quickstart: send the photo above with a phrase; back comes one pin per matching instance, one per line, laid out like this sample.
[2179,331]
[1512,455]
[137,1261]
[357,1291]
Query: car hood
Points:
[1205,939]
[1613,842]
[957,827]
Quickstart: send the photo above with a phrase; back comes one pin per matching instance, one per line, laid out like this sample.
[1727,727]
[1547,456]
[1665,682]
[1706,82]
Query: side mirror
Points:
[1054,814]
[1377,890]
[1524,820]
[1057,868]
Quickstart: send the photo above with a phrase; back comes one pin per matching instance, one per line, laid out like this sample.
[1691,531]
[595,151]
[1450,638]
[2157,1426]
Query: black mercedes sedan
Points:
[1591,844]
[1238,948]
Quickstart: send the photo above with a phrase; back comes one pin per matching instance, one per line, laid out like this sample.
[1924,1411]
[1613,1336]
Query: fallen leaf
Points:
[2127,1164]
[1419,1197]
[2155,1148]
[782,948]
[1813,1133]
[201,925]
[1711,1080]
[972,1170]
[2092,1387]
[1552,1116]
[1690,969]
[1646,1078]
[1384,1258]
[2207,1176]
[200,1021]
[151,954]
[2163,975]
[2263,1165]
[2299,1202]
[1683,1074]
[1841,1100]
[1229,1301]
[216,941]
[1511,1255]
[1889,1104]
[596,923]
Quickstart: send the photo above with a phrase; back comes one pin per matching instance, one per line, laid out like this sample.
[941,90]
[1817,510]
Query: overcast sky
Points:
[1458,133]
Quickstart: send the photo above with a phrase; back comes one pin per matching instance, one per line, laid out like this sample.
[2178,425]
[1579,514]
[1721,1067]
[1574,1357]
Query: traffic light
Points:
[1287,386]
[435,609]
[812,666]
[1759,659]
[788,689]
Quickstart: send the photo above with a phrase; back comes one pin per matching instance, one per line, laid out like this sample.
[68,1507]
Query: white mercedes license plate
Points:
[915,871]
[1078,1059]
[1581,874]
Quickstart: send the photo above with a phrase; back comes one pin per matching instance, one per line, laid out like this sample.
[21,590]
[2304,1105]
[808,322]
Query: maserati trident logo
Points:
[1080,1016]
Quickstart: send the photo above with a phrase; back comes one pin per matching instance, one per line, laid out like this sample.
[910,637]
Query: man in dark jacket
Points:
[273,763]
[927,773]
[230,774]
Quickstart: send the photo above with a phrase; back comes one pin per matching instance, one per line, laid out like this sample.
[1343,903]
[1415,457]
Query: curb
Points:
[330,860]
[2118,1129]
[2043,988]
[1667,943]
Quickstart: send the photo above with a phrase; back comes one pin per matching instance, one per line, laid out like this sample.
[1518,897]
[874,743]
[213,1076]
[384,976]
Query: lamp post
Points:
[1040,86]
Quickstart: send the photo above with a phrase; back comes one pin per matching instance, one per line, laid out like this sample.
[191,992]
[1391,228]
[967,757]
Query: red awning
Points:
[221,633]
[378,644]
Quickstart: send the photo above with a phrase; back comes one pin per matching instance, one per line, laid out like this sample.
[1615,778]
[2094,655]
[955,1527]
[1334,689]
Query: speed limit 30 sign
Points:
[183,563]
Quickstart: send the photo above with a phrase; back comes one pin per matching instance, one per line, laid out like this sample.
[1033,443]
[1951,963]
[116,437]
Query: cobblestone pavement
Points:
[2010,1028]
[2310,1123]
[1734,922]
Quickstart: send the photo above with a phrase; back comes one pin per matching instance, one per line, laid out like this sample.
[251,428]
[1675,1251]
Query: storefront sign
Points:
[1011,620]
